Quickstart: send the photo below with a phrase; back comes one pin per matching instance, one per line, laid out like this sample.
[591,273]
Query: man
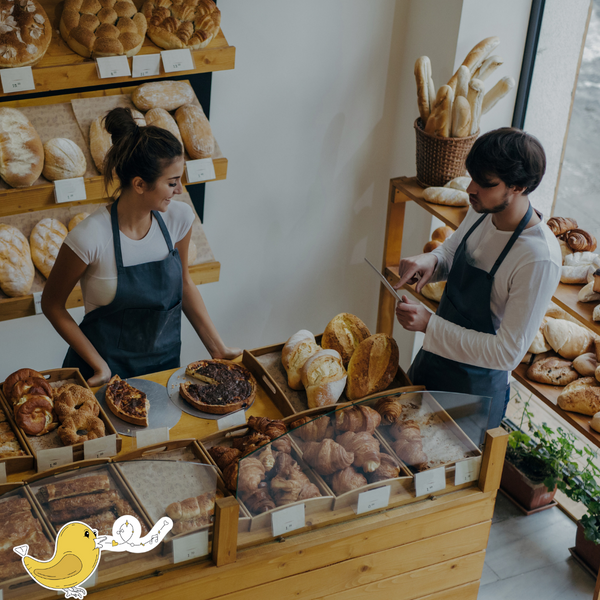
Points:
[502,267]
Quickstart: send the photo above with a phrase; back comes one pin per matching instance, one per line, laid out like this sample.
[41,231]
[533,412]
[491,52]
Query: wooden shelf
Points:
[63,69]
[567,297]
[391,274]
[41,197]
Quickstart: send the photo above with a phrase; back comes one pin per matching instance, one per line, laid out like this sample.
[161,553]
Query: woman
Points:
[132,264]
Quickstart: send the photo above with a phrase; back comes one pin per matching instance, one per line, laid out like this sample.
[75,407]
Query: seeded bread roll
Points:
[16,268]
[159,117]
[343,334]
[46,239]
[168,95]
[63,159]
[195,131]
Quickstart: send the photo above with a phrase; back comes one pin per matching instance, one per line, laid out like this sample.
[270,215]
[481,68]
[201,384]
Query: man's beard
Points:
[495,209]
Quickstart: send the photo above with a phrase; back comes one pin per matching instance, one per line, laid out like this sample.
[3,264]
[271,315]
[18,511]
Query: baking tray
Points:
[16,464]
[52,439]
[162,412]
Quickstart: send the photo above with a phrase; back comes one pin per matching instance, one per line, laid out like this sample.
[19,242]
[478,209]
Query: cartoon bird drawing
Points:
[76,556]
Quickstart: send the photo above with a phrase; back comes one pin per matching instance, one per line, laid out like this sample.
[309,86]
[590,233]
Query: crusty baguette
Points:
[476,57]
[489,65]
[496,93]
[422,69]
[462,85]
[443,111]
[195,131]
[476,93]
[461,117]
[447,196]
[169,95]
[431,90]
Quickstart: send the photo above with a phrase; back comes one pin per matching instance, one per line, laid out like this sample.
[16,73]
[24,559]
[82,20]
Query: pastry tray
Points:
[52,439]
[16,464]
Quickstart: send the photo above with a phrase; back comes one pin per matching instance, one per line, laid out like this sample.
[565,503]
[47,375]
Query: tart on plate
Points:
[126,402]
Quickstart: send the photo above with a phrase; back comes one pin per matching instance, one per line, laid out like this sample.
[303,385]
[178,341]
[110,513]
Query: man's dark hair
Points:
[514,156]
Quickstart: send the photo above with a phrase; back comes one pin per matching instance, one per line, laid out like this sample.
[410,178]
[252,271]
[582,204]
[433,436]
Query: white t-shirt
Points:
[521,292]
[92,241]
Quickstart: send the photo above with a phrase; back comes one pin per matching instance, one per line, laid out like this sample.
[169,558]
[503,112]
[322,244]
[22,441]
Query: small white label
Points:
[191,546]
[236,418]
[467,470]
[100,447]
[373,499]
[113,66]
[430,481]
[54,457]
[202,169]
[288,519]
[69,190]
[37,302]
[2,477]
[146,65]
[177,60]
[19,79]
[147,437]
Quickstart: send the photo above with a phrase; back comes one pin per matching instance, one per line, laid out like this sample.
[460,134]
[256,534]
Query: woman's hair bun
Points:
[120,123]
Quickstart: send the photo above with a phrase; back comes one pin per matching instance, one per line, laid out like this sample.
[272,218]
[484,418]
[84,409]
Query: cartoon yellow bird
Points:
[76,556]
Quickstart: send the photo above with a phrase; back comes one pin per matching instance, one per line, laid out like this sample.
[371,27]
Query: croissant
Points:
[357,418]
[315,430]
[405,430]
[580,241]
[282,444]
[409,444]
[266,458]
[327,457]
[251,473]
[270,428]
[365,448]
[388,469]
[346,480]
[309,490]
[230,475]
[260,501]
[224,456]
[254,439]
[291,483]
[285,461]
[560,225]
[389,409]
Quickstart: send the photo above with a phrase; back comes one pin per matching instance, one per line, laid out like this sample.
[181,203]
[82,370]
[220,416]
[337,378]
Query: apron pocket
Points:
[148,331]
[448,311]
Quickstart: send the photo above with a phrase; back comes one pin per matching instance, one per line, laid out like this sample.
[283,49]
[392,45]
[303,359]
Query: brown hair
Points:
[136,151]
[513,155]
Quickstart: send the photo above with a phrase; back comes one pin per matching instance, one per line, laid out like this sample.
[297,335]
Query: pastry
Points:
[409,444]
[553,370]
[344,333]
[74,487]
[25,33]
[192,508]
[63,159]
[77,219]
[389,409]
[224,456]
[260,501]
[159,117]
[182,23]
[166,95]
[46,239]
[357,418]
[195,130]
[324,378]
[365,448]
[346,480]
[581,396]
[20,375]
[126,402]
[296,351]
[94,28]
[313,430]
[71,428]
[230,386]
[272,428]
[560,225]
[580,241]
[388,469]
[327,457]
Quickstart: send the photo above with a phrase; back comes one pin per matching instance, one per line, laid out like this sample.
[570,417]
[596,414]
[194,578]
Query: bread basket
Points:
[440,159]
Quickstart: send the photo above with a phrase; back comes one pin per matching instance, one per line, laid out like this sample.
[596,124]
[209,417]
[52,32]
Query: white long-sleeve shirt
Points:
[522,289]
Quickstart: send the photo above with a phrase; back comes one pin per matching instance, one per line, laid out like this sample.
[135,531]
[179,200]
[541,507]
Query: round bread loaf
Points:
[586,364]
[553,370]
[441,234]
[25,33]
[344,333]
[189,24]
[16,268]
[46,239]
[63,159]
[77,219]
[195,131]
[168,95]
[581,396]
[159,117]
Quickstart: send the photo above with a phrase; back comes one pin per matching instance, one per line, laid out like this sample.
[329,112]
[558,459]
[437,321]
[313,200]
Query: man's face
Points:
[493,198]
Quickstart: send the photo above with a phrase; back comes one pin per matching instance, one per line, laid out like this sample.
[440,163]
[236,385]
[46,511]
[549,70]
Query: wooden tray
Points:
[33,443]
[16,464]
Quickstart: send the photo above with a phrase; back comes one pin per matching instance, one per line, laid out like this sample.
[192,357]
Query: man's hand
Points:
[413,316]
[416,269]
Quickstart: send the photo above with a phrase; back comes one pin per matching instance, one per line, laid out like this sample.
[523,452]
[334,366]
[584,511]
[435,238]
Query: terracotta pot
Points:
[586,550]
[528,494]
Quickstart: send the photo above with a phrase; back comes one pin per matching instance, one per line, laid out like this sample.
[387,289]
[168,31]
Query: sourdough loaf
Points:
[168,95]
[63,159]
[159,117]
[16,268]
[553,370]
[46,239]
[195,131]
[343,334]
[581,396]
[567,338]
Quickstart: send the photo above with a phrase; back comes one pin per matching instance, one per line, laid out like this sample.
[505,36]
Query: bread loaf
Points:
[476,57]
[586,364]
[373,366]
[16,268]
[168,95]
[441,234]
[462,83]
[581,396]
[490,64]
[46,239]
[422,71]
[596,313]
[555,312]
[296,351]
[576,275]
[577,259]
[552,371]
[100,143]
[324,378]
[430,246]
[344,333]
[459,183]
[446,196]
[63,159]
[595,422]
[587,293]
[567,338]
[77,219]
[496,93]
[434,291]
[195,131]
[476,94]
[461,117]
[159,117]
[539,344]
[21,150]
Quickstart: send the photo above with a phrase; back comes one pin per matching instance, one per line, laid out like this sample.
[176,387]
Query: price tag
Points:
[467,470]
[147,437]
[202,169]
[113,66]
[177,60]
[37,302]
[19,79]
[54,457]
[101,447]
[2,477]
[146,65]
[373,499]
[430,481]
[191,546]
[236,418]
[69,190]
[288,519]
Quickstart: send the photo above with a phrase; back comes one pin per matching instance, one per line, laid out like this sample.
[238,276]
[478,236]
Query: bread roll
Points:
[596,282]
[587,293]
[595,422]
[539,344]
[443,111]
[434,291]
[476,93]
[459,183]
[168,95]
[552,371]
[461,117]
[490,64]
[159,117]
[446,196]
[586,364]
[596,313]
[568,339]
[581,396]
[21,150]
[576,275]
[577,259]
[195,131]
[77,219]
[432,245]
[496,93]
[343,334]
[441,234]
[324,378]
[16,268]
[63,159]
[46,239]
[422,70]
[296,351]
[462,83]
[476,57]
[100,143]
[373,366]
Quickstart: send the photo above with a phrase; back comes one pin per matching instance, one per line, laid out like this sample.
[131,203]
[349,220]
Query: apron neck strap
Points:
[164,230]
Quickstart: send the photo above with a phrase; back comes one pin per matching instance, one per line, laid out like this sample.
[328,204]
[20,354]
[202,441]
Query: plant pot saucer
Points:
[523,509]
[582,563]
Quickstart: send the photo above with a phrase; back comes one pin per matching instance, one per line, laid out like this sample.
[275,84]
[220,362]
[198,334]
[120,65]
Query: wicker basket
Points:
[440,159]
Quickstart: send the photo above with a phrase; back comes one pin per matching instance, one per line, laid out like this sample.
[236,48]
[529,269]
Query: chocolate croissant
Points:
[580,241]
[327,457]
[560,225]
[365,448]
[357,418]
[389,409]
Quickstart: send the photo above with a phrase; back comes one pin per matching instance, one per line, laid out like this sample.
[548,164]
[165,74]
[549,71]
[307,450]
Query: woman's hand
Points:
[413,316]
[101,375]
[227,353]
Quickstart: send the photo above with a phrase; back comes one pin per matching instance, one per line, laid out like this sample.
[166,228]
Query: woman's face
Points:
[166,186]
